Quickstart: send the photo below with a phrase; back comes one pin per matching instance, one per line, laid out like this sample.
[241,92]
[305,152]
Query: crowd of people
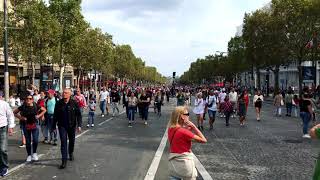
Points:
[51,113]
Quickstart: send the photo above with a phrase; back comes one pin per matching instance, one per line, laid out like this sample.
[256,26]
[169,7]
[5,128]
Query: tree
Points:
[71,22]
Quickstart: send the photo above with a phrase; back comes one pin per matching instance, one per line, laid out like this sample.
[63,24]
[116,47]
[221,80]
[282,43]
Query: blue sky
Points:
[170,34]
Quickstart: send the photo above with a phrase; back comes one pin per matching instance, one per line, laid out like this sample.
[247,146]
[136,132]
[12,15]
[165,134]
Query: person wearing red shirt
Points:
[181,133]
[246,99]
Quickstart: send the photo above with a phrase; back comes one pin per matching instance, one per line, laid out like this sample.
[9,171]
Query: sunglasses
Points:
[187,114]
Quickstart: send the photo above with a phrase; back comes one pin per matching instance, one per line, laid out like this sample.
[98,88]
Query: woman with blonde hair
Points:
[200,105]
[181,133]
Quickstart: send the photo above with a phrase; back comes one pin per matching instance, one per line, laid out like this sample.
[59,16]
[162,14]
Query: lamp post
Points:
[5,51]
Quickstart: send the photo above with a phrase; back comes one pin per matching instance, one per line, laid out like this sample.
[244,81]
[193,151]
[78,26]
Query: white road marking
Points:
[84,132]
[204,173]
[157,157]
[105,121]
[12,170]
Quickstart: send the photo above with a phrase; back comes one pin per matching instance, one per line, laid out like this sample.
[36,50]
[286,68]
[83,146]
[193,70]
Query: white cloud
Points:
[170,34]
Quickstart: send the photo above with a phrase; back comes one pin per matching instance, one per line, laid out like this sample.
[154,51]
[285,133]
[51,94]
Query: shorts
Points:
[212,114]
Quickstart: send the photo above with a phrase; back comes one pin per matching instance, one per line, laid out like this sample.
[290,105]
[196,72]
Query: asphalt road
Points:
[271,149]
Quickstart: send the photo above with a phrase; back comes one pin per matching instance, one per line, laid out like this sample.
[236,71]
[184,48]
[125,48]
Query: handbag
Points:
[181,165]
[281,102]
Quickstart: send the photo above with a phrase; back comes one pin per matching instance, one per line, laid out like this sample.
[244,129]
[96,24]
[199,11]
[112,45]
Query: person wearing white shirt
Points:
[12,101]
[257,101]
[36,96]
[233,97]
[104,95]
[6,126]
[221,98]
[212,108]
[199,110]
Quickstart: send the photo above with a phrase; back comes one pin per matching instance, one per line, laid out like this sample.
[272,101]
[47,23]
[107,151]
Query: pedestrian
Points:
[278,102]
[36,95]
[125,96]
[222,95]
[158,102]
[29,114]
[80,99]
[199,110]
[43,121]
[168,95]
[145,102]
[181,133]
[306,113]
[246,99]
[132,106]
[68,117]
[86,95]
[12,102]
[315,134]
[295,105]
[50,104]
[115,99]
[6,127]
[288,101]
[257,101]
[212,108]
[227,109]
[242,109]
[92,109]
[188,98]
[233,97]
[180,98]
[104,94]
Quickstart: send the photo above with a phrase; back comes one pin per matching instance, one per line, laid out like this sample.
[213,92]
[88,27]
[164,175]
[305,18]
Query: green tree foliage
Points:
[59,30]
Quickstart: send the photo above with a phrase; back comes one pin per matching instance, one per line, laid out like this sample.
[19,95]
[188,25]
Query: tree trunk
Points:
[33,72]
[95,82]
[276,78]
[78,79]
[258,79]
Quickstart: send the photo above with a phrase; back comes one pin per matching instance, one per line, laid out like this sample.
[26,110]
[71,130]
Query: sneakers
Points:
[88,125]
[307,136]
[4,172]
[92,125]
[130,124]
[54,143]
[45,141]
[22,146]
[145,123]
[102,115]
[29,159]
[34,157]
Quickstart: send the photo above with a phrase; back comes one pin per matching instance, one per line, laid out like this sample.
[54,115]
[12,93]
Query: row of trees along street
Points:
[58,32]
[276,35]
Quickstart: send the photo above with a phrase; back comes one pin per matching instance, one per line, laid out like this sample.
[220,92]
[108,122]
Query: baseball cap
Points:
[51,91]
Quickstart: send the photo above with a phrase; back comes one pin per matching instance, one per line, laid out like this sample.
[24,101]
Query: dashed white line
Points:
[157,157]
[204,173]
[105,121]
[84,132]
[21,166]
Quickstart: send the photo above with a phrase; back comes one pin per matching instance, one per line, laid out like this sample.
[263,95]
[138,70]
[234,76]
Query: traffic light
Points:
[174,75]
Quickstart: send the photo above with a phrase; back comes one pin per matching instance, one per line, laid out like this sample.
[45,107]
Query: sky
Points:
[170,34]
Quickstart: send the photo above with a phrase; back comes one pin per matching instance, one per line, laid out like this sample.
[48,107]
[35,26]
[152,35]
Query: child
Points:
[92,109]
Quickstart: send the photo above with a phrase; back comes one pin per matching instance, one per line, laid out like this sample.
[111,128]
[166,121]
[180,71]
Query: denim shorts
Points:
[211,113]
